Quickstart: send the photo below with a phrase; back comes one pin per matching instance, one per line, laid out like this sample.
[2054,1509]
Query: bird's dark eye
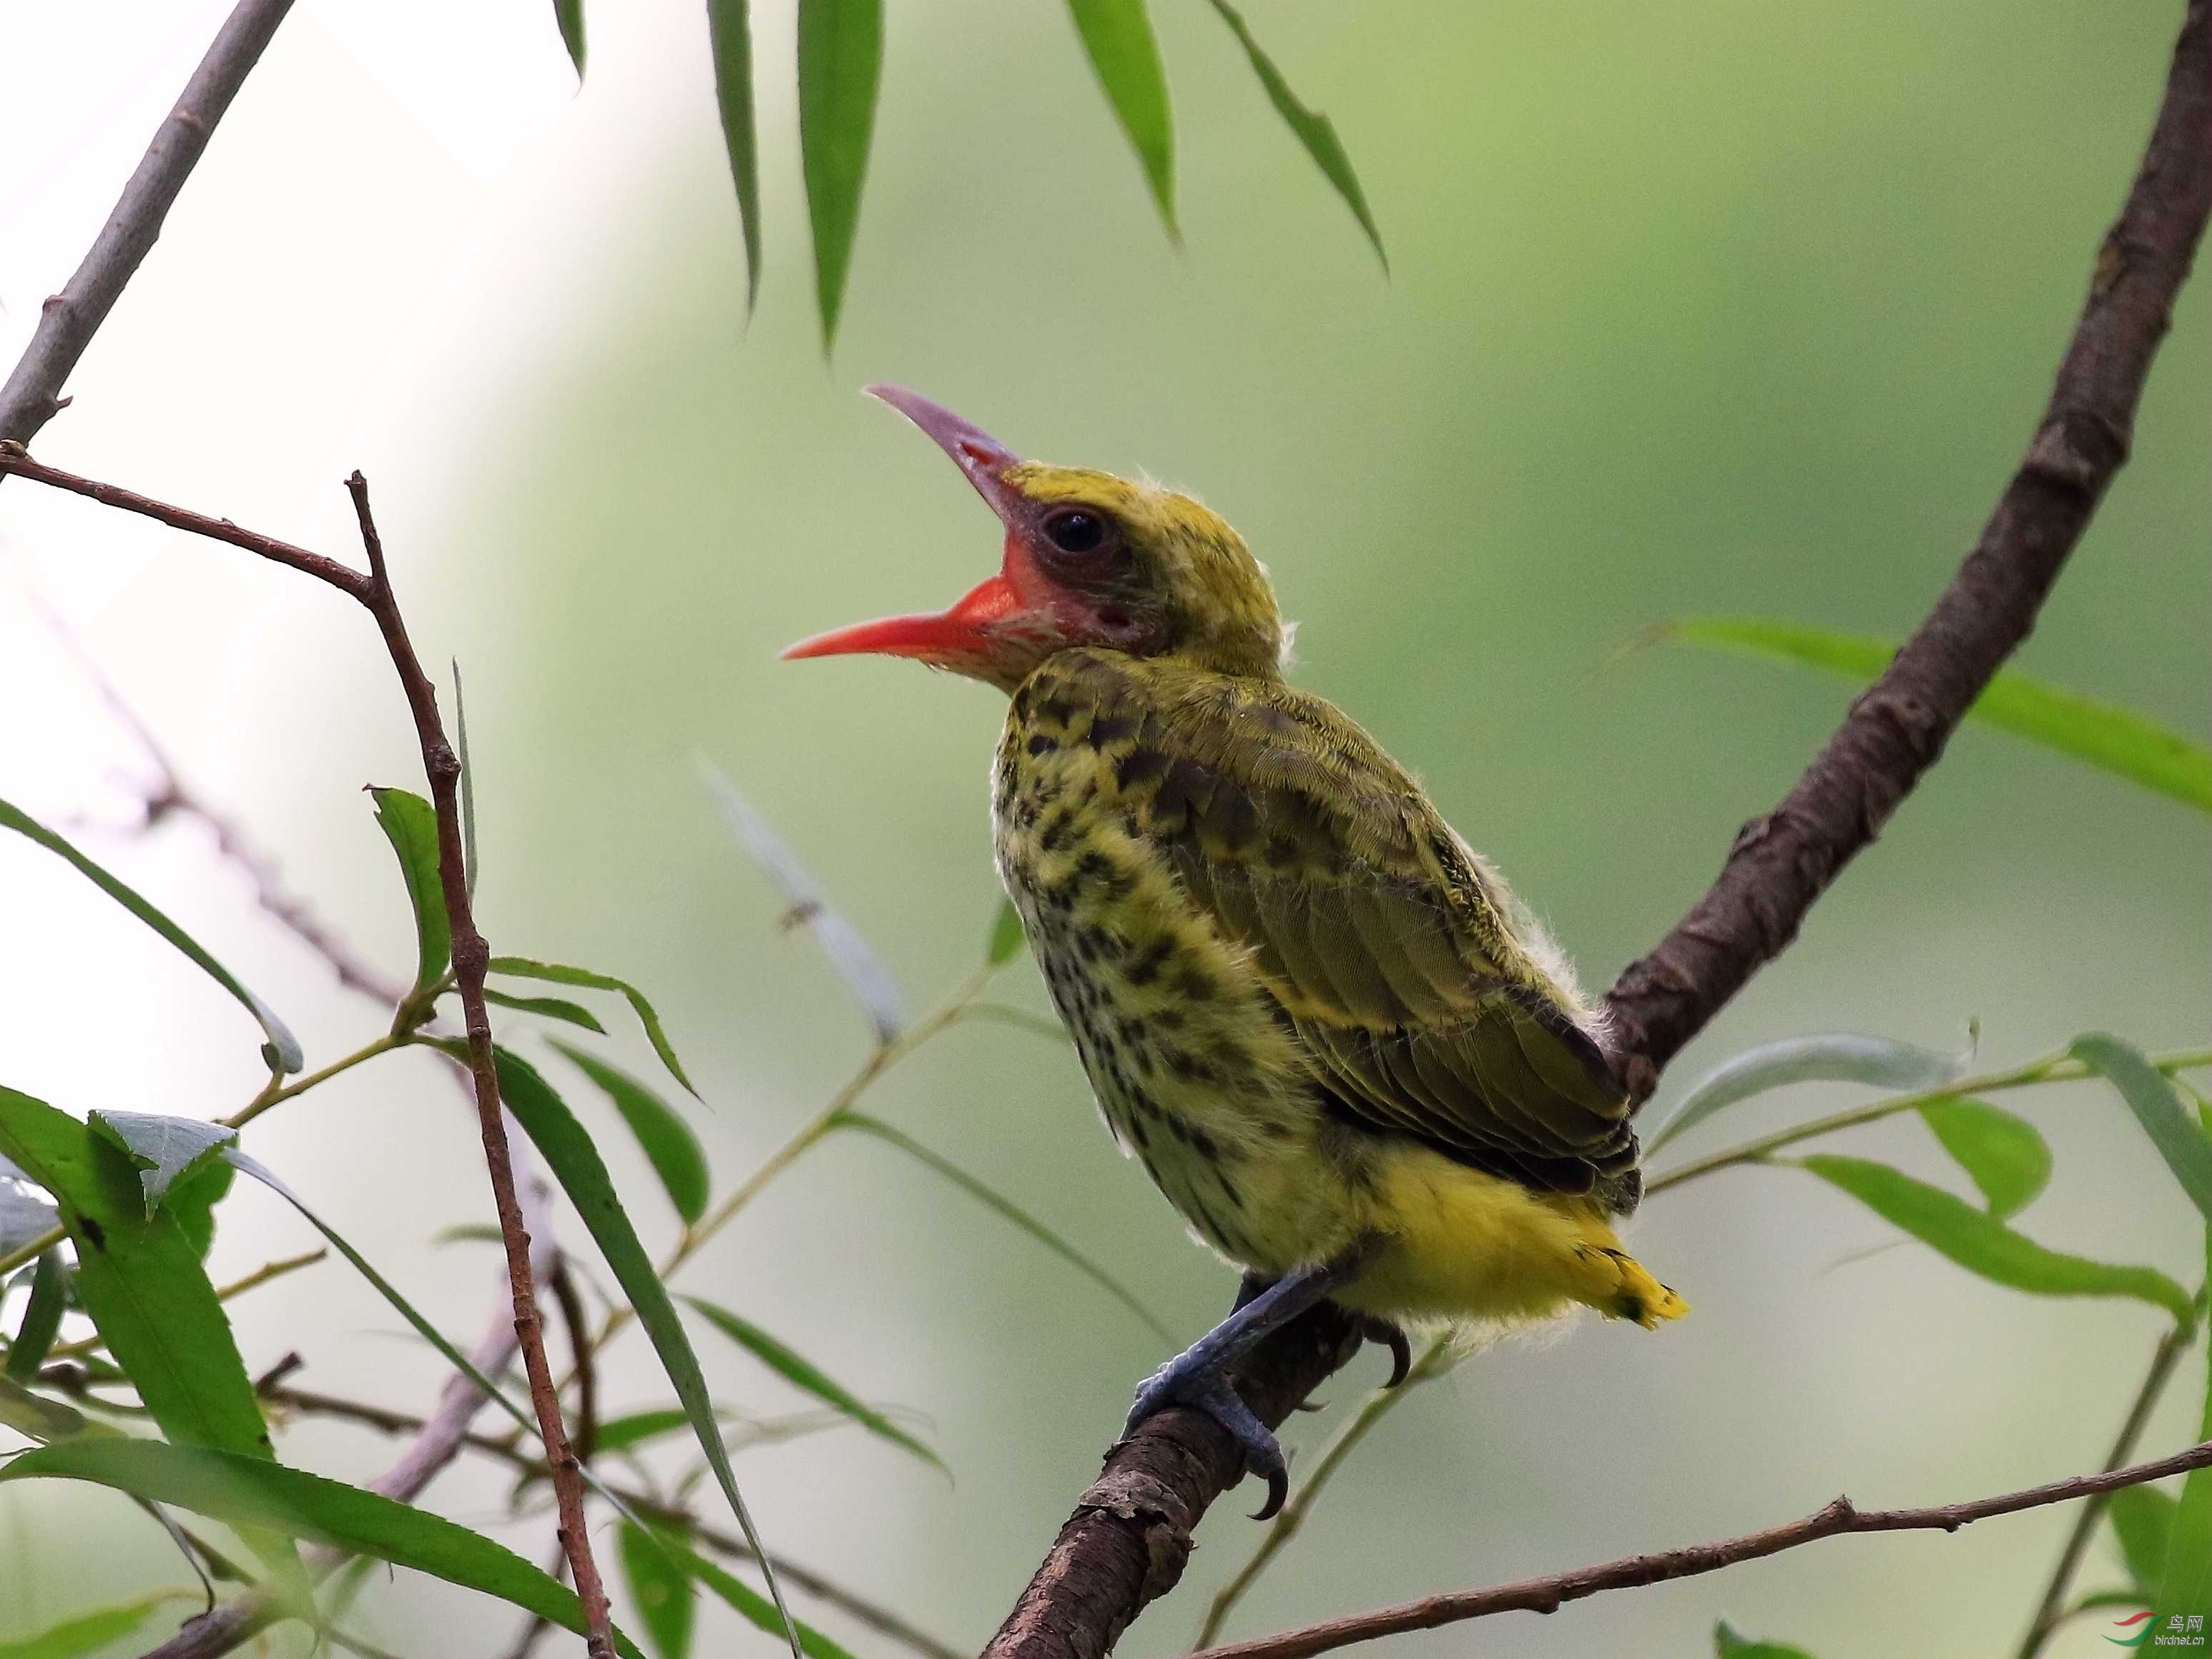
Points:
[1074,531]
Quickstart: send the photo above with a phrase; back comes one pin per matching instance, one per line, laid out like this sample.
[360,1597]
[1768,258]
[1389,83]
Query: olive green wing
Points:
[1378,935]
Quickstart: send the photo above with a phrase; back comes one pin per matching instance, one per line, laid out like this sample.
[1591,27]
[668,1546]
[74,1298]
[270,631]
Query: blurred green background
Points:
[1710,306]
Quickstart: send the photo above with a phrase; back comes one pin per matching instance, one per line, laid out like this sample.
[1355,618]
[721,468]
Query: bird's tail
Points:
[1619,1286]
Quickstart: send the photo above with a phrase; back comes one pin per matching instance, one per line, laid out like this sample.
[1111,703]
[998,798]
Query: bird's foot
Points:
[1206,1390]
[1388,1335]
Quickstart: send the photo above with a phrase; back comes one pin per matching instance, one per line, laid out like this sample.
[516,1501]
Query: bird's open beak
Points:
[965,634]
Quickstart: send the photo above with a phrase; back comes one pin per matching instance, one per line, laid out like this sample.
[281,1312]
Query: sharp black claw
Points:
[1401,1351]
[1279,1489]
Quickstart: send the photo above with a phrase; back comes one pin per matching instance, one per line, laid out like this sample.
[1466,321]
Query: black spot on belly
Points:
[1140,766]
[1111,728]
[1042,744]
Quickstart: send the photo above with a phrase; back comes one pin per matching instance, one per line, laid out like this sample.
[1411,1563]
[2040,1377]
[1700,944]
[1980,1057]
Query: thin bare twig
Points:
[32,396]
[1127,1542]
[1548,1594]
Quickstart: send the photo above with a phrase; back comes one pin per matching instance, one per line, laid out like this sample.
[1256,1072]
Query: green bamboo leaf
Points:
[1981,1244]
[841,54]
[568,18]
[164,1150]
[567,1148]
[658,1588]
[1118,38]
[1011,1212]
[283,1049]
[621,1433]
[410,824]
[2103,734]
[249,1491]
[1728,1644]
[2178,1136]
[756,1608]
[192,1199]
[548,1008]
[2186,1585]
[1005,934]
[1311,127]
[667,1140]
[42,1318]
[1823,1057]
[88,1632]
[562,974]
[804,1374]
[2001,1151]
[730,39]
[2143,1523]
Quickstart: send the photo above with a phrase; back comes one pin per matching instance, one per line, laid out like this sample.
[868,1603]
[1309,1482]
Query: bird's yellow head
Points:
[1091,559]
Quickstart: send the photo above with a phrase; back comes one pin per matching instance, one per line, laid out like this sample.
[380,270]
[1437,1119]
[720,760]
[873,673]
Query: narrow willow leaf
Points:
[2115,740]
[805,1375]
[2001,1151]
[658,1588]
[192,1199]
[2143,1523]
[621,1433]
[140,1280]
[87,1632]
[1011,1212]
[567,1148]
[730,38]
[1728,1644]
[37,1418]
[562,974]
[667,1140]
[1981,1244]
[42,1318]
[1005,934]
[248,1491]
[2178,1136]
[460,704]
[849,952]
[840,53]
[756,1608]
[283,1049]
[164,1149]
[568,18]
[410,824]
[2186,1587]
[1311,127]
[1118,38]
[1824,1057]
[548,1008]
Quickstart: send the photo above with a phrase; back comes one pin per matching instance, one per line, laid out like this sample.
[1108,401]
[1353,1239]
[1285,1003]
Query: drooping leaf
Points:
[283,1049]
[2103,734]
[548,1008]
[855,960]
[2186,1587]
[1824,1057]
[42,1318]
[756,1608]
[1311,127]
[562,974]
[140,1278]
[2001,1151]
[840,52]
[87,1632]
[460,703]
[1010,1211]
[410,824]
[805,1375]
[667,1140]
[37,1418]
[1005,934]
[635,1428]
[730,39]
[2142,1521]
[1981,1244]
[163,1149]
[1728,1644]
[568,18]
[567,1148]
[1125,53]
[2178,1136]
[659,1590]
[248,1491]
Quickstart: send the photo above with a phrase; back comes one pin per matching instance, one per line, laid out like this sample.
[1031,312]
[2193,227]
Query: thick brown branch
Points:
[1127,1539]
[1549,1595]
[33,394]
